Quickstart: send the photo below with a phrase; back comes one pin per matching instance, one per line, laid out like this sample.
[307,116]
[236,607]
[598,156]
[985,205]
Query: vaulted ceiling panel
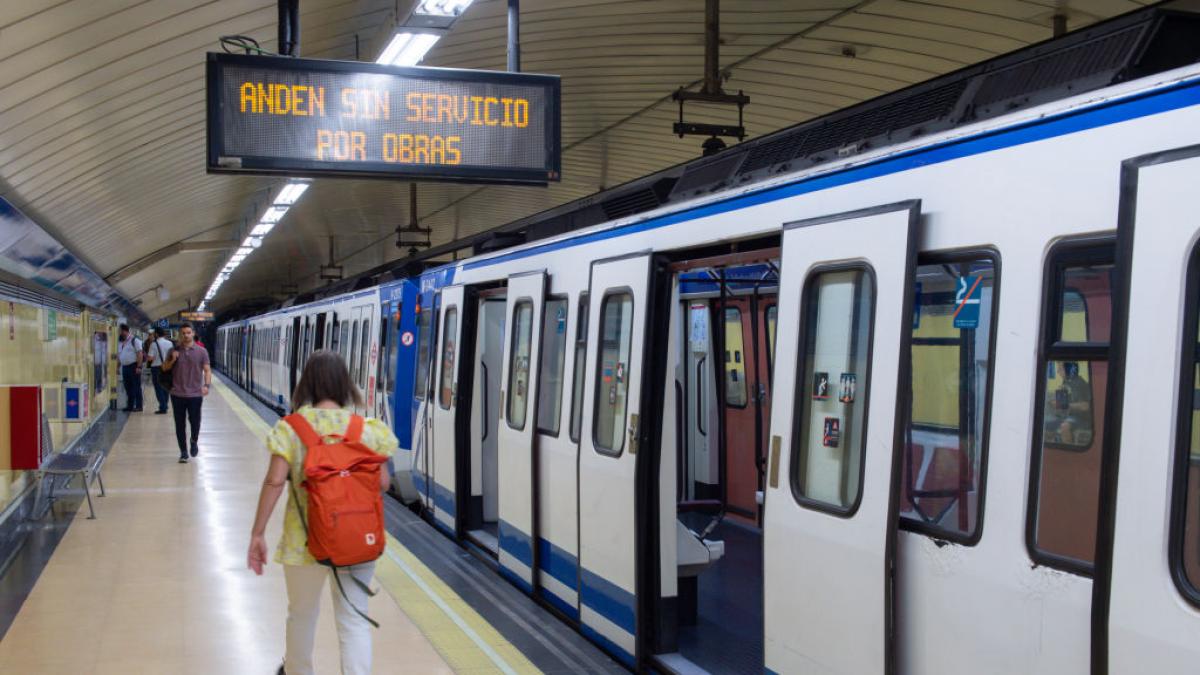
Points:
[102,136]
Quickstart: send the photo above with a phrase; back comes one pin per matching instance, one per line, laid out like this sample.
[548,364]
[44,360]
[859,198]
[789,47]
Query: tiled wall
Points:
[28,357]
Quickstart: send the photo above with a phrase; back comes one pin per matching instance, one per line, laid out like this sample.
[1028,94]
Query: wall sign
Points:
[345,118]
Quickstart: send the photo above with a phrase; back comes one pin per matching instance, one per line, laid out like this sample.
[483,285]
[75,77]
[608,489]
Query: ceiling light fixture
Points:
[407,48]
[442,7]
[274,214]
[291,193]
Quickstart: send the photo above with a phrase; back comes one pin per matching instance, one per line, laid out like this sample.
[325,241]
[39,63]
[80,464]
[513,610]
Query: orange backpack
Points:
[345,506]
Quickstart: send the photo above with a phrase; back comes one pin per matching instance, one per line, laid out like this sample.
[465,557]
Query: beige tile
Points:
[158,584]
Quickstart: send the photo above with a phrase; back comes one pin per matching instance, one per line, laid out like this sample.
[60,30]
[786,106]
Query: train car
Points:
[266,354]
[788,422]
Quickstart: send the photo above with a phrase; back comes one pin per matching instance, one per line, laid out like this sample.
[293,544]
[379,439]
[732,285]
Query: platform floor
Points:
[158,582]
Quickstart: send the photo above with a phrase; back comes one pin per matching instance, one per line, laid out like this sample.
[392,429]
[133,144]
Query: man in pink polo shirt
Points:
[191,377]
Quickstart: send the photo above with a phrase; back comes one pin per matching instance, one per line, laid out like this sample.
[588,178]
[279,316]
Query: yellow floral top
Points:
[283,441]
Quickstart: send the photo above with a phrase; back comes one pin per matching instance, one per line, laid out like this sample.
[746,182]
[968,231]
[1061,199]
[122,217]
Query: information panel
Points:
[304,117]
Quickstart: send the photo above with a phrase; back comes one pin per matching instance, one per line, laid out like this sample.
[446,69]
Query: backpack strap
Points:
[354,429]
[308,435]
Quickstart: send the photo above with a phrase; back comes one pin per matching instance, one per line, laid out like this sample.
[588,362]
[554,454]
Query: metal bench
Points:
[85,466]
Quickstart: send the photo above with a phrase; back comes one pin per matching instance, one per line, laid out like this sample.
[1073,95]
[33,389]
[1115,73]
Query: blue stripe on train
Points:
[609,646]
[602,596]
[556,562]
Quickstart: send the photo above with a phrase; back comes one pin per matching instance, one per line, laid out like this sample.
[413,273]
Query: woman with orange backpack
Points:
[333,527]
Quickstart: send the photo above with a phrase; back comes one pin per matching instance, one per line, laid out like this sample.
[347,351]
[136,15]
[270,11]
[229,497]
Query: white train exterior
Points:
[1036,511]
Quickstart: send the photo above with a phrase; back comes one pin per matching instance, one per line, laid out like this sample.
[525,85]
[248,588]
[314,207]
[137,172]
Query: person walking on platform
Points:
[322,397]
[157,352]
[129,355]
[191,376]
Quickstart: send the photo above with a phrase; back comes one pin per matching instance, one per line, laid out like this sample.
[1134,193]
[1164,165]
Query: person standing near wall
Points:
[191,377]
[129,355]
[157,353]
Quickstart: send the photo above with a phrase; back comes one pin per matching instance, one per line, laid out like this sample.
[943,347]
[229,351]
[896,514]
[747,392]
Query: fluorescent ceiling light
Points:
[407,48]
[243,251]
[273,214]
[262,229]
[252,242]
[290,193]
[442,7]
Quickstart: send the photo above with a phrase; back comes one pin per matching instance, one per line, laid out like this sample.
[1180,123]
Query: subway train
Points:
[860,396]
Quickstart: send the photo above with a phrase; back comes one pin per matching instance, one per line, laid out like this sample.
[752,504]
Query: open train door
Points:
[443,408]
[1151,625]
[845,317]
[518,396]
[618,298]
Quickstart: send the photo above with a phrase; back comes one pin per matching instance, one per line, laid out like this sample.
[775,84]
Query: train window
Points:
[828,447]
[735,359]
[1185,515]
[450,332]
[946,430]
[1073,368]
[424,327]
[518,365]
[353,363]
[337,333]
[581,328]
[345,342]
[550,371]
[364,368]
[612,378]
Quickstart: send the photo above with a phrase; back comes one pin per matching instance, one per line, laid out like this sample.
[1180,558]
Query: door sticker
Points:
[820,389]
[832,433]
[846,387]
[966,302]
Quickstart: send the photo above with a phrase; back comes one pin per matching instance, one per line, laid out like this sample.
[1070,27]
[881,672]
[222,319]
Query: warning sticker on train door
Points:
[832,433]
[966,302]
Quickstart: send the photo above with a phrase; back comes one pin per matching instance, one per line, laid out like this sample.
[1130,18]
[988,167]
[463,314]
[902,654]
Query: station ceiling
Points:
[102,120]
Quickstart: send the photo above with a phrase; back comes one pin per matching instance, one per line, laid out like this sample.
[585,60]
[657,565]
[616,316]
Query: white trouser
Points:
[304,584]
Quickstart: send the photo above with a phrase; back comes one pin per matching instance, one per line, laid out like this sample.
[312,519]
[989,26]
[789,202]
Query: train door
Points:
[829,532]
[293,356]
[444,408]
[1153,614]
[251,339]
[518,398]
[383,374]
[619,295]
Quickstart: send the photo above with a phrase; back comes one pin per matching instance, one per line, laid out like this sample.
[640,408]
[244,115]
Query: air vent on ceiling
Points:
[15,293]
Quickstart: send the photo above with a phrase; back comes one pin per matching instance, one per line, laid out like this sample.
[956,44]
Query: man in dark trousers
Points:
[191,377]
[129,355]
[157,352]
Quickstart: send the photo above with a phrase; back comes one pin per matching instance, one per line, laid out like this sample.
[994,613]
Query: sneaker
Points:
[195,448]
[160,412]
[183,459]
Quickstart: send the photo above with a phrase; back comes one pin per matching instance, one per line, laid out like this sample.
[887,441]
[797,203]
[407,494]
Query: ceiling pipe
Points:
[289,27]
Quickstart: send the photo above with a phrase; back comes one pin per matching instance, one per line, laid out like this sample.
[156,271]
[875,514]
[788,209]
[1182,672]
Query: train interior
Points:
[484,506]
[726,318]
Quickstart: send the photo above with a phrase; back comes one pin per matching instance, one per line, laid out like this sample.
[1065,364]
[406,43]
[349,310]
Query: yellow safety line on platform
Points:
[464,638]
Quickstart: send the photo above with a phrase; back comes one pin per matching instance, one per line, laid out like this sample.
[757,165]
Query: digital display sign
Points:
[304,117]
